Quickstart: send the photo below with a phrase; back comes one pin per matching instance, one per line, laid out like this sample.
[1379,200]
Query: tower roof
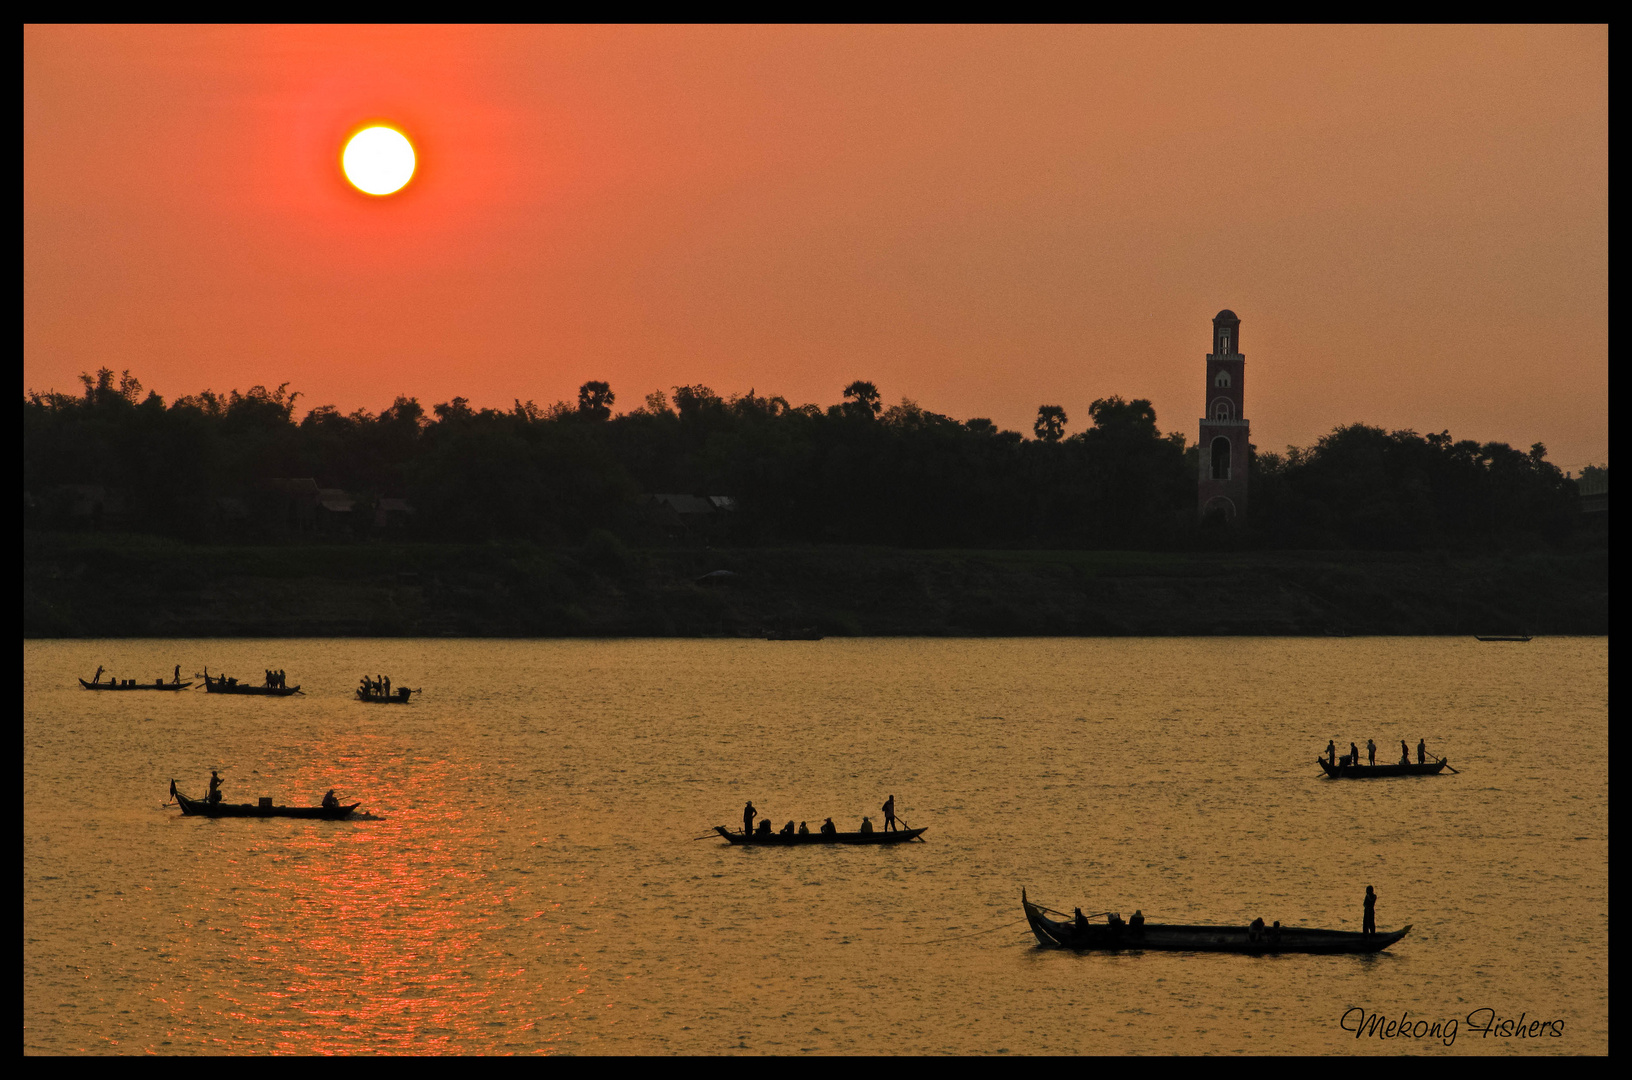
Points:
[1225,316]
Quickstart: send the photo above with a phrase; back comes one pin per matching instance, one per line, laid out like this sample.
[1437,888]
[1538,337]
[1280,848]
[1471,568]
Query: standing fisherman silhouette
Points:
[748,813]
[215,787]
[1368,923]
[1354,754]
[1405,753]
[1371,752]
[1331,752]
[177,679]
[889,815]
[1422,751]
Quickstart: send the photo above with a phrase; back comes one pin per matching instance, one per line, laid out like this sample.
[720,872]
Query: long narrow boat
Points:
[220,686]
[131,684]
[1164,937]
[1501,637]
[899,836]
[202,808]
[1342,771]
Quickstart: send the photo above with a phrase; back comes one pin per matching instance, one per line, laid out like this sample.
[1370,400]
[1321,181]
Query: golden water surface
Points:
[525,879]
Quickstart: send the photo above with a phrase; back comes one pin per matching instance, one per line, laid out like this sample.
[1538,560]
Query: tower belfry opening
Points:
[1222,485]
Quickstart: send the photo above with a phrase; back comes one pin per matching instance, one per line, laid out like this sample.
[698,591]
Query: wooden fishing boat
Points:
[1501,637]
[132,684]
[899,836]
[202,808]
[398,696]
[221,686]
[1342,771]
[1063,933]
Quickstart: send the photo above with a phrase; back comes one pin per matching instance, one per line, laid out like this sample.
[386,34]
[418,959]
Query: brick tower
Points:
[1223,480]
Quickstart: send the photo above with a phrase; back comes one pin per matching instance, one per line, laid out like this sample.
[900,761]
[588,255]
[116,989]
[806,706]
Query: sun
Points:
[378,160]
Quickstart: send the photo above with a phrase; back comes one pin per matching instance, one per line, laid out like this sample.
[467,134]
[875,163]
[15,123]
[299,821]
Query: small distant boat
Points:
[1063,933]
[203,808]
[221,684]
[398,696]
[132,684]
[899,836]
[1501,637]
[1344,771]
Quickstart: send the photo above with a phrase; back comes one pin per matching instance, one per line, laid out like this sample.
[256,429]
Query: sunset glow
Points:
[378,160]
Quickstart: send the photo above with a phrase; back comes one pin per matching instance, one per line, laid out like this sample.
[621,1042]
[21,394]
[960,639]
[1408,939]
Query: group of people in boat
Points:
[1132,929]
[275,679]
[1353,756]
[96,680]
[1257,932]
[378,686]
[827,828]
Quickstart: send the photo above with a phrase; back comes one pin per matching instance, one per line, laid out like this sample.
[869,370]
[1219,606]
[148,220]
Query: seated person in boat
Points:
[1255,932]
[828,828]
[866,825]
[1117,925]
[765,827]
[787,830]
[215,787]
[1136,925]
[804,830]
[1275,933]
[330,802]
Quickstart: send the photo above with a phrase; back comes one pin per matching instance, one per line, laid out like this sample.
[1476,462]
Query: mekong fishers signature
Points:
[1486,1022]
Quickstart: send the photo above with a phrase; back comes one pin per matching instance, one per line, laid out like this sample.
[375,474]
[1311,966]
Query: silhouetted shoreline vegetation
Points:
[110,585]
[240,467]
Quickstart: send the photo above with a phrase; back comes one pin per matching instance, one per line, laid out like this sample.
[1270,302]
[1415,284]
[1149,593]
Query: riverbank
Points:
[100,585]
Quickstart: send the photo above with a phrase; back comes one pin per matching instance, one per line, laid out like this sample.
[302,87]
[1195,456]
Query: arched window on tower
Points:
[1222,378]
[1221,458]
[1223,410]
[1224,343]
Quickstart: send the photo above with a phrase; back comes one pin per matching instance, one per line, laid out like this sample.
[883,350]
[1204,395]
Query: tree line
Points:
[855,472]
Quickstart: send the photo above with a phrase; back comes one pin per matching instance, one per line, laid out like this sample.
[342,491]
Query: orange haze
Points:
[1411,222]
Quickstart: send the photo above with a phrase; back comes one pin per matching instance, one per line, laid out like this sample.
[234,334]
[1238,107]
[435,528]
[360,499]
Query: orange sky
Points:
[1412,222]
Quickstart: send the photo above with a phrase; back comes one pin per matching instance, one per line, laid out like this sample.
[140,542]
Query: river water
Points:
[525,878]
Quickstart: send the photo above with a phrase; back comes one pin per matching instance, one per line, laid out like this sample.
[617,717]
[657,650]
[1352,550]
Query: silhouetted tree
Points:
[1050,425]
[595,400]
[861,399]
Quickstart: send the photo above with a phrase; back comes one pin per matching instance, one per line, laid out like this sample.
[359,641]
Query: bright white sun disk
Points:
[378,160]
